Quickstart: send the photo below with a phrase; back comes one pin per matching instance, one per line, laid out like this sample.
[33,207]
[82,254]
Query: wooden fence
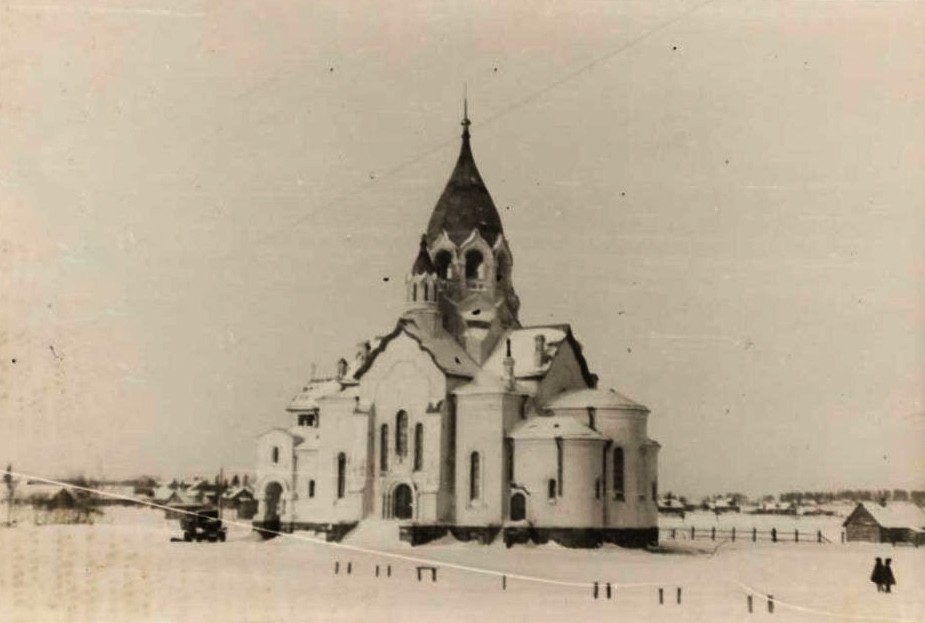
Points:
[753,535]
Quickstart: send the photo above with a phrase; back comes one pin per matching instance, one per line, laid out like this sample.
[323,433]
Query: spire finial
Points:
[465,122]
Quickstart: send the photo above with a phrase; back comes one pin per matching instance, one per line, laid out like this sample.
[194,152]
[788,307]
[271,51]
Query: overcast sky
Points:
[199,200]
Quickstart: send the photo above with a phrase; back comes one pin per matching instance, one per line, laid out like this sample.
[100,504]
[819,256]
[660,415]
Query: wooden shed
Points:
[895,522]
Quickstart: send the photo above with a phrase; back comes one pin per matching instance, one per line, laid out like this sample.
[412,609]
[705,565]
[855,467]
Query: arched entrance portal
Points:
[272,494]
[401,502]
[518,507]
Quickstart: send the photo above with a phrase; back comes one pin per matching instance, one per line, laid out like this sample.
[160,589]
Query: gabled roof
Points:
[307,399]
[465,204]
[893,515]
[237,492]
[40,491]
[523,345]
[446,353]
[550,427]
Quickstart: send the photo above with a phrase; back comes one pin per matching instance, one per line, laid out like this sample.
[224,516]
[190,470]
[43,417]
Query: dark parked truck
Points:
[204,525]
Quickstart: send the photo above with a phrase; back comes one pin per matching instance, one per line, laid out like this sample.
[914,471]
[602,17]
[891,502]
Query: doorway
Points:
[402,502]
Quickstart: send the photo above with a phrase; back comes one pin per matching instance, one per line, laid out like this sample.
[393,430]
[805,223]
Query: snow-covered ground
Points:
[124,568]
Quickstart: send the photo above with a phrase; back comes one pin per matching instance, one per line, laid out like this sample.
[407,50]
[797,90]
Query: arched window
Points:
[551,489]
[475,476]
[518,507]
[559,464]
[475,264]
[384,448]
[418,447]
[619,473]
[341,475]
[401,434]
[443,262]
[641,471]
[502,267]
[311,488]
[274,454]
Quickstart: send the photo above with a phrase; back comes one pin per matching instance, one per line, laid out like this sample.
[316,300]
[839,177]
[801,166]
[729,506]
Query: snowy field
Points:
[125,569]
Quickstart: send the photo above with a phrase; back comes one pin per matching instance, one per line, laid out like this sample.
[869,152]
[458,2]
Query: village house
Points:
[893,522]
[461,419]
[241,501]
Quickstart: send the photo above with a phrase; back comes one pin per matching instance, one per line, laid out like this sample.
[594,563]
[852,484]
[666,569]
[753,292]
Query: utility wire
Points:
[521,103]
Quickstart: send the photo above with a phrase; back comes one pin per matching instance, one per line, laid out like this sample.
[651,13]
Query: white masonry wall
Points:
[405,377]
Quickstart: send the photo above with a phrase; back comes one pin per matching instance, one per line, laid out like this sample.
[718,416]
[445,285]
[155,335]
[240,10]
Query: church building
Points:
[461,420]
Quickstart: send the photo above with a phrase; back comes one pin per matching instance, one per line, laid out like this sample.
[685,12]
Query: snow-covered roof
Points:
[233,493]
[39,491]
[596,398]
[523,345]
[179,498]
[447,353]
[444,350]
[895,515]
[162,493]
[307,398]
[550,427]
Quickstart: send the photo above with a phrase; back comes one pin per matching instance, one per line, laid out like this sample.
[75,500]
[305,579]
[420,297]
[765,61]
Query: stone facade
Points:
[460,419]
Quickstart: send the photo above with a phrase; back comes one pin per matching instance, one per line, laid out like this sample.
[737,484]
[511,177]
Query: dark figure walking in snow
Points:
[888,578]
[877,575]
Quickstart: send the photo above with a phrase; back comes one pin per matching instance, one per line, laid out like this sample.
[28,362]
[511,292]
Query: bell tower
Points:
[467,259]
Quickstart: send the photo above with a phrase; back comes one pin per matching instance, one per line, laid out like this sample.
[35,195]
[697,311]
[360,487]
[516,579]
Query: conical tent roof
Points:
[465,204]
[422,264]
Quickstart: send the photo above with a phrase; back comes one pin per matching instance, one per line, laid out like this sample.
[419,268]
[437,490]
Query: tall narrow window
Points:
[418,447]
[443,263]
[414,291]
[384,448]
[475,476]
[551,489]
[559,463]
[655,490]
[341,475]
[641,479]
[275,454]
[502,269]
[619,473]
[311,488]
[509,446]
[597,488]
[401,434]
[475,265]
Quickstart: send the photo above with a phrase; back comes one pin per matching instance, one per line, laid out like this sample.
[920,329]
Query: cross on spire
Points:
[465,122]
